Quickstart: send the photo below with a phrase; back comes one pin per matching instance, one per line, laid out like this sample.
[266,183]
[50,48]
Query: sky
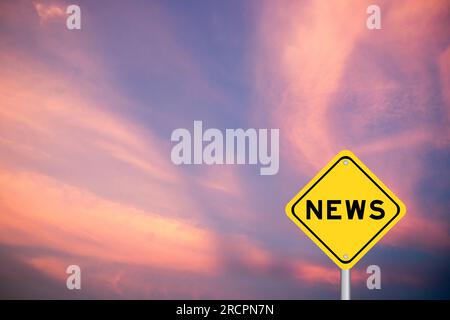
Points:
[85,123]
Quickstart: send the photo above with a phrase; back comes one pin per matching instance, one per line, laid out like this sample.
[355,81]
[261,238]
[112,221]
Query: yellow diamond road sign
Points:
[345,209]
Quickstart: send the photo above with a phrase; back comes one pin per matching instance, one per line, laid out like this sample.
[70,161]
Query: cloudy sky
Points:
[85,124]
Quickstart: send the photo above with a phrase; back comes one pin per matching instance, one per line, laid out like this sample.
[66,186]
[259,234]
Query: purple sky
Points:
[85,124]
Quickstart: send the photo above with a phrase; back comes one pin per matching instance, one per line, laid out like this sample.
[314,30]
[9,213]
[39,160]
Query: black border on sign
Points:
[315,235]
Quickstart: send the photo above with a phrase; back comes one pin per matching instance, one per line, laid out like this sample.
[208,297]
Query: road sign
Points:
[345,209]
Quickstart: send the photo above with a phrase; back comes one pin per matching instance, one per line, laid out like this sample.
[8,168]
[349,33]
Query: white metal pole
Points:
[345,284]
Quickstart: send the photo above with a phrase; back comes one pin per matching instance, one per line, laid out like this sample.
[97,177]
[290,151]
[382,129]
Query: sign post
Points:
[345,210]
[345,284]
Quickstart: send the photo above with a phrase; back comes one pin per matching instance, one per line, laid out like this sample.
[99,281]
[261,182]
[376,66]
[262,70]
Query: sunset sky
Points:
[86,118]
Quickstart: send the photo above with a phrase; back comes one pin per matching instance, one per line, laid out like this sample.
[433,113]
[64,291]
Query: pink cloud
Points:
[78,177]
[444,67]
[312,273]
[308,55]
[51,266]
[48,12]
[52,124]
[100,163]
[420,233]
[307,48]
[110,197]
[316,53]
[71,220]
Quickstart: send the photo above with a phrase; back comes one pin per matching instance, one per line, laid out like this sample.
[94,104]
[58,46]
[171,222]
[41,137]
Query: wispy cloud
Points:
[49,11]
[85,121]
[374,92]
